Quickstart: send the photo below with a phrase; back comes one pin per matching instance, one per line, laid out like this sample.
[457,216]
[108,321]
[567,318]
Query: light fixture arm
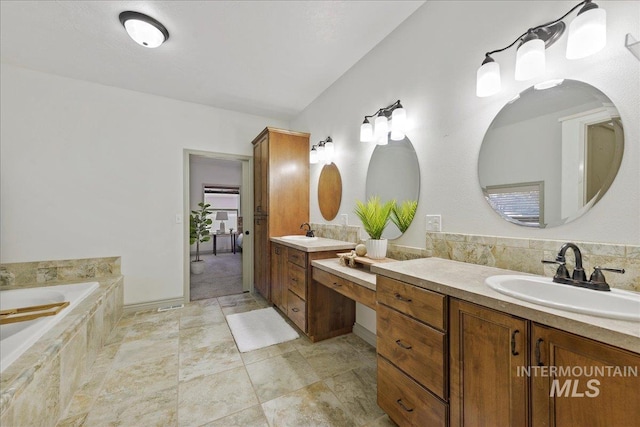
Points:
[386,111]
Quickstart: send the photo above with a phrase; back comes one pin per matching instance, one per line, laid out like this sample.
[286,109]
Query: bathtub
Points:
[16,338]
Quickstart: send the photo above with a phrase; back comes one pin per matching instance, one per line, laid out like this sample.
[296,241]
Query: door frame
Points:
[246,209]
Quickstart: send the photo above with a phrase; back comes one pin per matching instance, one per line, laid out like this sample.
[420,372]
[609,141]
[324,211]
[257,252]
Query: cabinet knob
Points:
[295,309]
[538,352]
[405,346]
[401,298]
[513,343]
[403,406]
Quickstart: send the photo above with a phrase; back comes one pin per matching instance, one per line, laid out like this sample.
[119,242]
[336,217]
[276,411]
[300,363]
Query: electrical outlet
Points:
[178,218]
[434,223]
[344,219]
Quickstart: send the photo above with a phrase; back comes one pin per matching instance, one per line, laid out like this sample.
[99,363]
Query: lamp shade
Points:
[143,29]
[328,149]
[221,216]
[322,155]
[313,156]
[530,59]
[488,79]
[587,33]
[398,123]
[366,132]
[381,131]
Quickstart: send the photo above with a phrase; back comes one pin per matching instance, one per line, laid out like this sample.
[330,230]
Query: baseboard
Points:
[152,305]
[364,333]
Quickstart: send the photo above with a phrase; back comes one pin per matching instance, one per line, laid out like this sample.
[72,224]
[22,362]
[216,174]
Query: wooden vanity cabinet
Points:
[588,399]
[412,353]
[486,349]
[278,276]
[280,194]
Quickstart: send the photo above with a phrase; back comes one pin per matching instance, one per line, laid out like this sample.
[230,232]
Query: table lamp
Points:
[221,216]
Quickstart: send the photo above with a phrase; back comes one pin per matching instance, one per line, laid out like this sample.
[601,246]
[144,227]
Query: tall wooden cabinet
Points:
[281,194]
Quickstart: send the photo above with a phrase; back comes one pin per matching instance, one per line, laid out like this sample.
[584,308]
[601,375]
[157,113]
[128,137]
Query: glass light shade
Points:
[328,148]
[322,155]
[313,156]
[488,79]
[530,60]
[366,132]
[398,124]
[381,128]
[587,34]
[144,33]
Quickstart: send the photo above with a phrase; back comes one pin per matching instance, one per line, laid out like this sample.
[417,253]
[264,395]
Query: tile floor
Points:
[182,368]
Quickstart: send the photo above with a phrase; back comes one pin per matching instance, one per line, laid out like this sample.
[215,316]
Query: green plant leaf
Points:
[374,215]
[403,215]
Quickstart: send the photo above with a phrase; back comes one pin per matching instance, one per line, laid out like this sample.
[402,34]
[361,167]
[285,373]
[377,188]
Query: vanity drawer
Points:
[417,349]
[345,287]
[424,305]
[297,280]
[297,257]
[297,310]
[406,402]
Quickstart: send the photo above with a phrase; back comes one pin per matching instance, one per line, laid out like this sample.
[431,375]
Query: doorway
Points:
[224,182]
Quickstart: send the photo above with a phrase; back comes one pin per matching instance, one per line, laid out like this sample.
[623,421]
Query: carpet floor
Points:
[222,276]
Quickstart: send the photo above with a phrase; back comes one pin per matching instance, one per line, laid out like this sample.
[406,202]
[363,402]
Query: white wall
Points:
[90,171]
[430,63]
[204,170]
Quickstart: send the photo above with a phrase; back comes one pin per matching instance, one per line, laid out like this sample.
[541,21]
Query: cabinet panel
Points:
[345,287]
[297,280]
[590,395]
[414,347]
[278,276]
[261,254]
[297,310]
[427,306]
[405,401]
[486,349]
[261,176]
[297,257]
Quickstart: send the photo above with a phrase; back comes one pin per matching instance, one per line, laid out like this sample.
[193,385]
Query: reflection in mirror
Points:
[551,153]
[329,191]
[394,173]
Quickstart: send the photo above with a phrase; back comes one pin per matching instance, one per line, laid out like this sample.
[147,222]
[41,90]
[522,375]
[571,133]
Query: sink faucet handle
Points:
[561,272]
[598,277]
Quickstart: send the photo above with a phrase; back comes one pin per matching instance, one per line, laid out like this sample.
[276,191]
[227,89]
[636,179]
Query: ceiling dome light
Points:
[488,78]
[530,58]
[143,29]
[587,32]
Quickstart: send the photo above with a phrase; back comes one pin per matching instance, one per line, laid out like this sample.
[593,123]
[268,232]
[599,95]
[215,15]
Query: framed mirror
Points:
[329,191]
[394,173]
[551,153]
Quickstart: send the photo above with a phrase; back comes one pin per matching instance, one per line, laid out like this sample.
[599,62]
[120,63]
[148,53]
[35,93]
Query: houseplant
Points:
[402,215]
[375,216]
[200,232]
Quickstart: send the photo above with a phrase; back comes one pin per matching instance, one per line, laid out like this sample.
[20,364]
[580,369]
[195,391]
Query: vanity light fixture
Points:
[322,152]
[143,29]
[380,133]
[587,35]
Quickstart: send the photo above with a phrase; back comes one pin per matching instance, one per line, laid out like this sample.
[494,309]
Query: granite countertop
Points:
[466,282]
[359,276]
[318,244]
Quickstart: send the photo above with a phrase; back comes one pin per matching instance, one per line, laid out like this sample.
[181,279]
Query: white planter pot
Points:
[376,249]
[197,267]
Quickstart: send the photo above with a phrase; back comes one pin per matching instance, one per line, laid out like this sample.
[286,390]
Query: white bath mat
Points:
[259,328]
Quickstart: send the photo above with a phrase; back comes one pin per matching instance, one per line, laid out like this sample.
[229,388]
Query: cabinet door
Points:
[589,386]
[487,348]
[261,257]
[278,276]
[261,176]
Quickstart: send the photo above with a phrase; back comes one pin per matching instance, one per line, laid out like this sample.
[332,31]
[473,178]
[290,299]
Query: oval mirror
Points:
[551,153]
[394,173]
[329,191]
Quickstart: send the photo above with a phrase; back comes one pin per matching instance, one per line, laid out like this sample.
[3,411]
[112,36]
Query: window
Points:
[521,203]
[223,199]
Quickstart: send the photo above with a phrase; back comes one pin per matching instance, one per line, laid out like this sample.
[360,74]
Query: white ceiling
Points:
[269,58]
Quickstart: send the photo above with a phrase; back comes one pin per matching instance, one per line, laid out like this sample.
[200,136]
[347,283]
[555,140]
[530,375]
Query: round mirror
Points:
[329,191]
[394,173]
[551,153]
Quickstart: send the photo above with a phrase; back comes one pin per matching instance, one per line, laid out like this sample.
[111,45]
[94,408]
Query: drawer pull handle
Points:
[538,355]
[399,401]
[401,298]
[336,284]
[513,343]
[295,309]
[293,279]
[401,344]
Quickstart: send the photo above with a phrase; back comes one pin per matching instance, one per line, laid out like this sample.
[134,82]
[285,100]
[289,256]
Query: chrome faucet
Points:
[310,232]
[578,277]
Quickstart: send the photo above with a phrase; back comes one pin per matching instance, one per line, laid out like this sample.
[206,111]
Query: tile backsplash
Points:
[27,274]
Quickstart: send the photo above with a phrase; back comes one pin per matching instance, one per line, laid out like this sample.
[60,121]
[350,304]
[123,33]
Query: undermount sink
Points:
[616,304]
[299,238]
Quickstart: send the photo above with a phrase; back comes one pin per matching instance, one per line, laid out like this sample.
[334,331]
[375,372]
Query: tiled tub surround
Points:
[525,255]
[38,386]
[466,282]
